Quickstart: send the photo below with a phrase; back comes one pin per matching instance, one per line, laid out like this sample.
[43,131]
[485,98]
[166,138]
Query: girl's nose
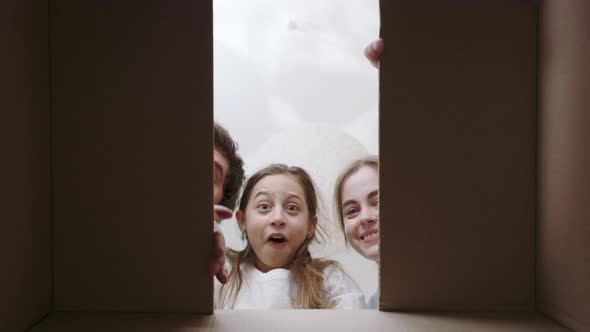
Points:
[276,219]
[368,220]
[368,216]
[277,222]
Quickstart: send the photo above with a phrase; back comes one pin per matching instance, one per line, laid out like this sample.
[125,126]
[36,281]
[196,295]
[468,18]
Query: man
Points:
[228,176]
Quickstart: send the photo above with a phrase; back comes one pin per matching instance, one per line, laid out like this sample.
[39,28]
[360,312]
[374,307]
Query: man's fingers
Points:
[373,52]
[221,273]
[218,245]
[218,270]
[222,276]
[218,266]
[214,268]
[218,259]
[221,212]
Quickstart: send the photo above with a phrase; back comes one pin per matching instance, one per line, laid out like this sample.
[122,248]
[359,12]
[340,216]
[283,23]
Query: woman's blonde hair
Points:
[370,161]
[307,272]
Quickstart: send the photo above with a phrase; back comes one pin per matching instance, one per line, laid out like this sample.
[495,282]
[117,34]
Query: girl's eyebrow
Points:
[348,202]
[263,192]
[293,195]
[373,193]
[270,193]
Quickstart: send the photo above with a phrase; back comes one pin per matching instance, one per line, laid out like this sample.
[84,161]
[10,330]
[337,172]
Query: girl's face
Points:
[360,211]
[276,221]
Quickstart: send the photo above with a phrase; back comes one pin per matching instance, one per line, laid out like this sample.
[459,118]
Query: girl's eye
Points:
[350,212]
[292,208]
[264,206]
[376,202]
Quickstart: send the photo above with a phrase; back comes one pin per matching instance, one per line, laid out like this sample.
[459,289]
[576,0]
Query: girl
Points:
[357,203]
[278,217]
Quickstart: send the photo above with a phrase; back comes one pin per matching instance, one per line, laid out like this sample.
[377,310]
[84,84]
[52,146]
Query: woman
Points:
[357,203]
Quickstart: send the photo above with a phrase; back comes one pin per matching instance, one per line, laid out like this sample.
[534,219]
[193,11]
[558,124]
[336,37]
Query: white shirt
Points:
[275,289]
[373,302]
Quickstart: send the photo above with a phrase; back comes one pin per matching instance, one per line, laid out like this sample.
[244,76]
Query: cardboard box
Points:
[106,177]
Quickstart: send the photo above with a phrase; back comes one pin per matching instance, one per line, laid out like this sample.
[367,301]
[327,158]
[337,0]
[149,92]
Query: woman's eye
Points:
[264,206]
[376,202]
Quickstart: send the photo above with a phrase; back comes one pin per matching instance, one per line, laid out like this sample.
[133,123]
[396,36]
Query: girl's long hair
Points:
[306,272]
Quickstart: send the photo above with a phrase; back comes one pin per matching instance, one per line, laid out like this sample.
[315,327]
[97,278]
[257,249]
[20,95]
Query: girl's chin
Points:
[372,253]
[267,265]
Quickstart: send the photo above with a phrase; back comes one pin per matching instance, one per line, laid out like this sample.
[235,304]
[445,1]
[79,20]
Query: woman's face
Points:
[360,211]
[276,221]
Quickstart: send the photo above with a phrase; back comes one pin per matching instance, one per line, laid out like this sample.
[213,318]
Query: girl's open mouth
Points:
[277,239]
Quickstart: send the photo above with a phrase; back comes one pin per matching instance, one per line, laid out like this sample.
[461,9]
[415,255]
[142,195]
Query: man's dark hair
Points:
[235,175]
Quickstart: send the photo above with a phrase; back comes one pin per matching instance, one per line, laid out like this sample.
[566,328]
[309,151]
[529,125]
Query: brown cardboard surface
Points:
[25,251]
[564,226]
[299,320]
[132,117]
[459,197]
[457,150]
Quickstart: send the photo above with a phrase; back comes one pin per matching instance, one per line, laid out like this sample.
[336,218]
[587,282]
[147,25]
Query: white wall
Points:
[292,85]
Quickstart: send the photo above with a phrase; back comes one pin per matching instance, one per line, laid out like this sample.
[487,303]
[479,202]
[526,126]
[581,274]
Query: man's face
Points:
[220,170]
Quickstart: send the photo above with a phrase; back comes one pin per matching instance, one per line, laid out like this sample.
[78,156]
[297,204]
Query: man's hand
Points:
[373,52]
[217,267]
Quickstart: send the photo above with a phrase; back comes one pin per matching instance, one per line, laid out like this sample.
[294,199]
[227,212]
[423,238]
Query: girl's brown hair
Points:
[370,161]
[307,272]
